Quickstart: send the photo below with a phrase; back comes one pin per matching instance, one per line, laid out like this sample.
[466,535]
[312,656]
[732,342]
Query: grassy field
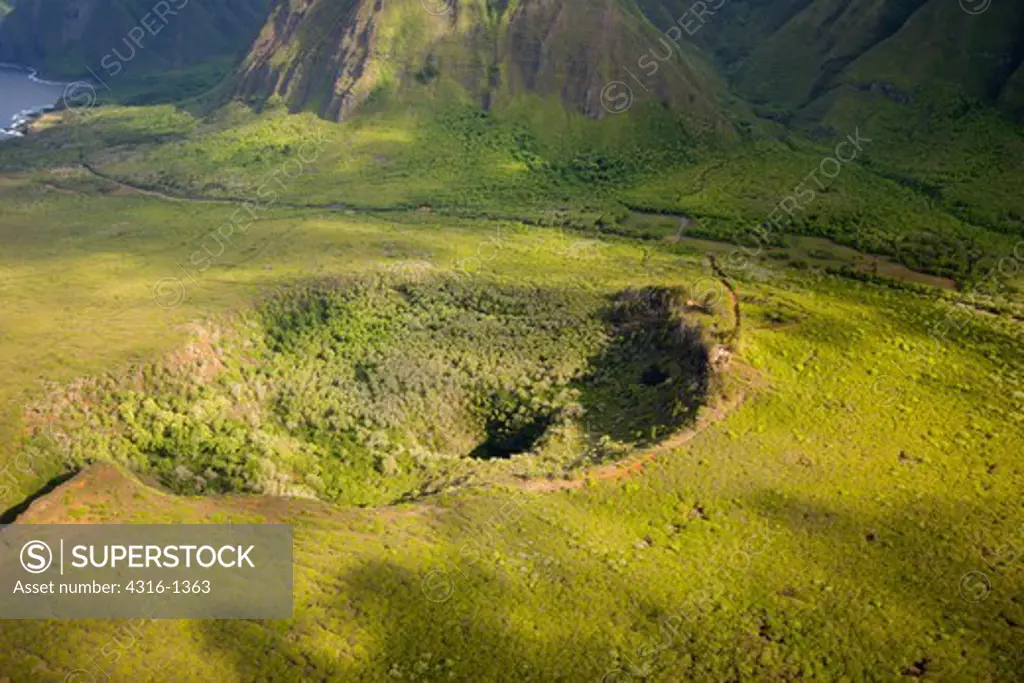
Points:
[904,194]
[820,531]
[855,516]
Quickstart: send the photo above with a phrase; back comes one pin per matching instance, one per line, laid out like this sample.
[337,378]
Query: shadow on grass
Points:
[439,625]
[656,374]
[11,514]
[781,615]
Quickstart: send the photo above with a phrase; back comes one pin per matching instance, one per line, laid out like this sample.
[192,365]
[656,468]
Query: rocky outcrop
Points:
[314,55]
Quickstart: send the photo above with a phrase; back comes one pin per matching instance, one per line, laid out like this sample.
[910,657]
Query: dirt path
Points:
[733,297]
[135,189]
[158,194]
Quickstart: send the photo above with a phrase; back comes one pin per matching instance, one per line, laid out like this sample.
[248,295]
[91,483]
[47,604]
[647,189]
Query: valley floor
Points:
[856,518]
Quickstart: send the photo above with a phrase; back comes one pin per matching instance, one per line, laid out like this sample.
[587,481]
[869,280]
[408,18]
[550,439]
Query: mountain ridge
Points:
[329,56]
[794,60]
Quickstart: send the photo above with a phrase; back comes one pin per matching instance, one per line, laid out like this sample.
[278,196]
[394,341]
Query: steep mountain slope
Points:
[70,37]
[788,57]
[785,54]
[795,60]
[327,56]
[941,45]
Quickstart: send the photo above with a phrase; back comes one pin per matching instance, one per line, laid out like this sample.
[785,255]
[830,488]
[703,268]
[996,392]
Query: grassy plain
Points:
[821,531]
[906,194]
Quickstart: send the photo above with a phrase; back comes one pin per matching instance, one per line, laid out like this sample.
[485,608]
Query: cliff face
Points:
[316,55]
[799,57]
[70,37]
[331,55]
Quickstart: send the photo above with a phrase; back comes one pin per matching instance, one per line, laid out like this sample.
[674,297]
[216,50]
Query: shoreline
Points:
[23,120]
[33,73]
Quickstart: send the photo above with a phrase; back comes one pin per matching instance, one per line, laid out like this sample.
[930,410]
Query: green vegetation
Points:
[475,351]
[817,531]
[382,390]
[462,162]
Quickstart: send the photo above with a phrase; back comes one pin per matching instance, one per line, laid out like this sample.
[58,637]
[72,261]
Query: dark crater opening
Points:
[504,441]
[512,426]
[654,376]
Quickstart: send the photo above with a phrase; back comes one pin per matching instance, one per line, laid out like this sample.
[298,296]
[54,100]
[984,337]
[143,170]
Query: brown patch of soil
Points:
[105,493]
[201,356]
[101,485]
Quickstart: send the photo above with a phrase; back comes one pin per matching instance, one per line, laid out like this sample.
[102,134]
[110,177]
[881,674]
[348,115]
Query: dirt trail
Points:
[158,194]
[733,297]
[135,189]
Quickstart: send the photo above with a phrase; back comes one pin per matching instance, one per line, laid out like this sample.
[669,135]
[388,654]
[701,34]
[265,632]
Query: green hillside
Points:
[330,57]
[787,54]
[578,340]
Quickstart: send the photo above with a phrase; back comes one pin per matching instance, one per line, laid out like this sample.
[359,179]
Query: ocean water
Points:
[21,92]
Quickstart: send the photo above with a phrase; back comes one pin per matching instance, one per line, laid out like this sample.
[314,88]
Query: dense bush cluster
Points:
[382,389]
